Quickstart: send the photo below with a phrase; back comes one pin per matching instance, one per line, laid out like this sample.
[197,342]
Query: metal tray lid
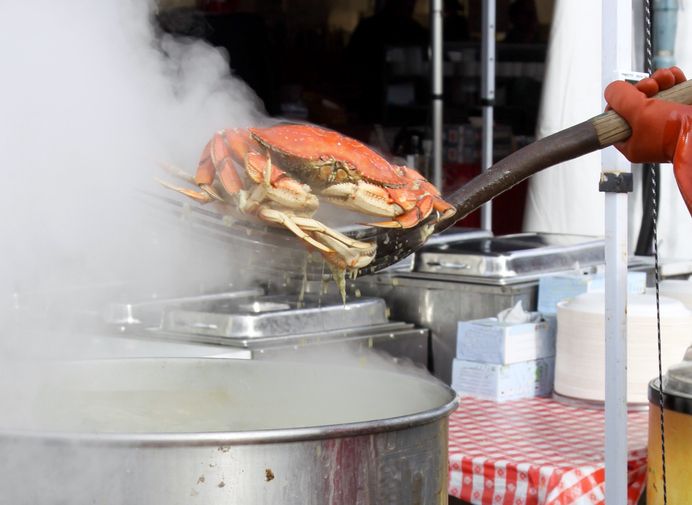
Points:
[274,315]
[456,234]
[518,257]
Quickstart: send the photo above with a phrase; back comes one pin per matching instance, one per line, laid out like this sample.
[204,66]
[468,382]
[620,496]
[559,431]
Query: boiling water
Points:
[140,411]
[216,395]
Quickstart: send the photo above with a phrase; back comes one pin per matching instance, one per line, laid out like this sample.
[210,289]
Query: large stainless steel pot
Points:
[208,431]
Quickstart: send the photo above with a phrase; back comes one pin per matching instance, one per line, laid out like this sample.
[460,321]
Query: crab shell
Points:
[322,157]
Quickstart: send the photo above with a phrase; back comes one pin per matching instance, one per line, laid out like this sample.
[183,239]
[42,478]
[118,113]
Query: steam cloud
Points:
[92,100]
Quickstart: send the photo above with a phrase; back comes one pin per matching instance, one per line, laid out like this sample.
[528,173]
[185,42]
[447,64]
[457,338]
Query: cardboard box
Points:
[555,288]
[490,341]
[504,382]
[551,321]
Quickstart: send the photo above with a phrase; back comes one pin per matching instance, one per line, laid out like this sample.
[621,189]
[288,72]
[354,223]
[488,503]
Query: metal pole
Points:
[436,35]
[665,28]
[616,58]
[488,99]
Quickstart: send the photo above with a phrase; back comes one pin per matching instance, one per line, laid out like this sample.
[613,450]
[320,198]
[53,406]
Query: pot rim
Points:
[225,438]
[676,401]
[222,439]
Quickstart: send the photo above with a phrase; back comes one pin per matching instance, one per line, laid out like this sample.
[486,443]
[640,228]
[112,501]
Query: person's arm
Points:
[661,131]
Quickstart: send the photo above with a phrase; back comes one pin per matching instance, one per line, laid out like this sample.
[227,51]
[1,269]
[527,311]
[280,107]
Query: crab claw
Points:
[445,209]
[418,198]
[422,209]
[206,195]
[352,255]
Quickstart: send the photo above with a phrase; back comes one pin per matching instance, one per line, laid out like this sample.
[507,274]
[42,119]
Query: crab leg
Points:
[347,251]
[278,217]
[280,187]
[364,197]
[313,225]
[378,201]
[207,194]
[335,245]
[408,206]
[345,256]
[217,160]
[445,209]
[198,196]
[287,192]
[419,182]
[253,204]
[410,218]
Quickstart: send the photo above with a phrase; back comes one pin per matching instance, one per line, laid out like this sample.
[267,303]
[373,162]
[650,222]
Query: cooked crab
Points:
[281,173]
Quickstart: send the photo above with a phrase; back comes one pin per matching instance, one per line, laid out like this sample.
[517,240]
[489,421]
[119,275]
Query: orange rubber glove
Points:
[661,131]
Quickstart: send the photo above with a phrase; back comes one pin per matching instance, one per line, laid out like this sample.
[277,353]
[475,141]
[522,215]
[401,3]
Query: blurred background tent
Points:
[565,198]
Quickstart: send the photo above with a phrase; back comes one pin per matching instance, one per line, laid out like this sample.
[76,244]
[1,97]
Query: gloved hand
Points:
[661,131]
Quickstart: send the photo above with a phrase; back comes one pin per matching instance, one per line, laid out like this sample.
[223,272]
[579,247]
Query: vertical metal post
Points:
[616,348]
[488,99]
[665,27]
[437,74]
[616,58]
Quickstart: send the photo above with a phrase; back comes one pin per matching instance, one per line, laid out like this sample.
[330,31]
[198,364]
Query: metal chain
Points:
[653,168]
[654,214]
[648,39]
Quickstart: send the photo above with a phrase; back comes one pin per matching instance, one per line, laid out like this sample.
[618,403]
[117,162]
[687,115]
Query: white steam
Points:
[91,101]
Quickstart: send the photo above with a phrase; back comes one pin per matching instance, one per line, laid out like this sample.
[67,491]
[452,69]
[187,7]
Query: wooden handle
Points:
[611,128]
[596,133]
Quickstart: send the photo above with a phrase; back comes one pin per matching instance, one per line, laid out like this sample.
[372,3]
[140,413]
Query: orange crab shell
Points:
[327,155]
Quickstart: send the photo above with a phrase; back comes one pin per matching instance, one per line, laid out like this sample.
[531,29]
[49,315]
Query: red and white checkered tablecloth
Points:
[536,451]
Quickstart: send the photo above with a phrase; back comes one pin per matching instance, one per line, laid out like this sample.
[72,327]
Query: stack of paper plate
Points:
[580,348]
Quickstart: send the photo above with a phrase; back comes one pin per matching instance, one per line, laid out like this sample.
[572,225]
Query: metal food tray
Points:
[272,316]
[449,235]
[511,258]
[150,312]
[374,335]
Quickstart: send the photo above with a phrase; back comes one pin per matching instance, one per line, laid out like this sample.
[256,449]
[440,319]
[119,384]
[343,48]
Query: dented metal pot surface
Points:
[208,431]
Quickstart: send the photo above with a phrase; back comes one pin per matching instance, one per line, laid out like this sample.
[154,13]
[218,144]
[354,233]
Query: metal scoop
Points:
[288,256]
[596,133]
